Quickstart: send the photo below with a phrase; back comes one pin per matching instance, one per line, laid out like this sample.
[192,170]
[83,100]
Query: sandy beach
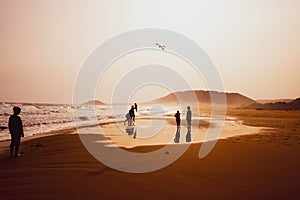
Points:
[149,100]
[58,166]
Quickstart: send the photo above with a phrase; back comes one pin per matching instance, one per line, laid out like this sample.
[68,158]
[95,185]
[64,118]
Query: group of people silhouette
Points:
[189,123]
[16,127]
[130,116]
[188,117]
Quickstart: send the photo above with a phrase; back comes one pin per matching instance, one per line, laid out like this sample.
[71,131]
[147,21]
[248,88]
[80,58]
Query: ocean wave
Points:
[41,118]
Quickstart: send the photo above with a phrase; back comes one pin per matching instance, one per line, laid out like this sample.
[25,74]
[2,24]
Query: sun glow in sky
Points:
[255,44]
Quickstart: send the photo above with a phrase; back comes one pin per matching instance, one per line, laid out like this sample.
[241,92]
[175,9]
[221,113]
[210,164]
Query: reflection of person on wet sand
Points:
[177,116]
[188,135]
[16,131]
[130,130]
[177,136]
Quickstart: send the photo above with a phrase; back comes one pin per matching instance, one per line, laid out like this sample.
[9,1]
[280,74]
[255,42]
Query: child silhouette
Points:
[16,131]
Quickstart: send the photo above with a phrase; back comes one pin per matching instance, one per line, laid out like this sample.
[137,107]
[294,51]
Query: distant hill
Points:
[233,99]
[292,105]
[94,102]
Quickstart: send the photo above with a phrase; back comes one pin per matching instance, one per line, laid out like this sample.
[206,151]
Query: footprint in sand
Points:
[36,146]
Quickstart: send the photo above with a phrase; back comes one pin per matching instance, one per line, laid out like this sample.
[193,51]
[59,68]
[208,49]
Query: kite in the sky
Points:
[161,46]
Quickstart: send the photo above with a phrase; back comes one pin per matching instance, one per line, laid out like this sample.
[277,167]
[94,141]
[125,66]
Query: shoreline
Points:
[170,121]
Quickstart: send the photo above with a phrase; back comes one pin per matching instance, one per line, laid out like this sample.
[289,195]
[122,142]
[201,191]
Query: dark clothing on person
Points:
[135,107]
[15,125]
[16,131]
[131,112]
[14,144]
[177,115]
[189,117]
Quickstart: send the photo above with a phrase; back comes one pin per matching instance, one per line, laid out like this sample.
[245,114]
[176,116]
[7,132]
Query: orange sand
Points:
[59,167]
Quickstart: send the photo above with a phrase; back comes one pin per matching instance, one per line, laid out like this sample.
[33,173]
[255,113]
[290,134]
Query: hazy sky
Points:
[255,44]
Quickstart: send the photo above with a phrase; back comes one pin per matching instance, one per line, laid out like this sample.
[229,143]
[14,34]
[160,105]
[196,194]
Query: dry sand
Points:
[57,166]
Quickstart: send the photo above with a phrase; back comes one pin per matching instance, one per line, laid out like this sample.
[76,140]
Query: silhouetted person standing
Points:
[132,115]
[16,131]
[177,115]
[189,116]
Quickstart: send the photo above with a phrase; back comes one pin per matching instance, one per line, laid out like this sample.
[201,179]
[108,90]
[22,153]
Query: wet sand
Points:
[58,166]
[163,131]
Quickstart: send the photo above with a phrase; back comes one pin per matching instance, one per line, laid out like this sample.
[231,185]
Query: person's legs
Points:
[178,123]
[16,151]
[189,123]
[17,144]
[12,145]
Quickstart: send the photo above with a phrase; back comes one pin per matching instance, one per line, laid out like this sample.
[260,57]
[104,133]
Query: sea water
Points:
[43,118]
